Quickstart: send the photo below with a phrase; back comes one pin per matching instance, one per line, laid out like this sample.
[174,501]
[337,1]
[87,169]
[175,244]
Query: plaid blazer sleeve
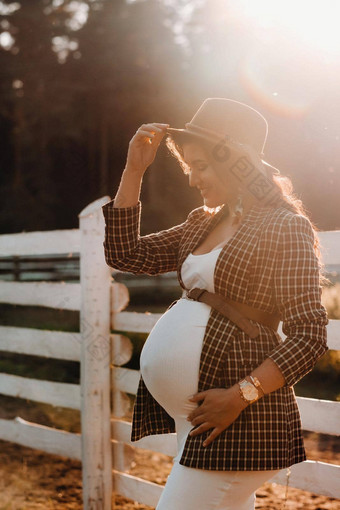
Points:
[127,251]
[298,297]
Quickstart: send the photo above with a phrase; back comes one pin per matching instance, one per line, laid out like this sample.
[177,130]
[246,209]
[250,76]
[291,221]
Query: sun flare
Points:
[315,22]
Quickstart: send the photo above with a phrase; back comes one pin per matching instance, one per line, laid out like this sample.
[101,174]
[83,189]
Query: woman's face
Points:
[202,175]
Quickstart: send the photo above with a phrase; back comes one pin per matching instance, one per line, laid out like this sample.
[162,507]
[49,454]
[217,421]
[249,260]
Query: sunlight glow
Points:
[6,40]
[296,44]
[17,84]
[287,81]
[315,22]
[77,11]
[178,25]
[7,9]
[78,14]
[63,46]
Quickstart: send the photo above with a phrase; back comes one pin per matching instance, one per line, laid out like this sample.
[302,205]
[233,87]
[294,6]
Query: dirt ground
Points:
[34,480]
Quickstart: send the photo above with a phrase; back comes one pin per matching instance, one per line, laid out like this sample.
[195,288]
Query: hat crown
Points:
[223,117]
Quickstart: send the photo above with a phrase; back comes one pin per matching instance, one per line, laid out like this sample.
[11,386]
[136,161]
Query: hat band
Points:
[214,136]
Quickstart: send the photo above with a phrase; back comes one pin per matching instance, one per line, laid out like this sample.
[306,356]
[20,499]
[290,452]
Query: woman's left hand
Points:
[219,409]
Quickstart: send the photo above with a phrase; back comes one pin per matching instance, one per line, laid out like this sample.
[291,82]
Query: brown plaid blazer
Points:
[270,264]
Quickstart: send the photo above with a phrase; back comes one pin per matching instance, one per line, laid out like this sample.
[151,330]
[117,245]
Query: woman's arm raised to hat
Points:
[124,248]
[142,150]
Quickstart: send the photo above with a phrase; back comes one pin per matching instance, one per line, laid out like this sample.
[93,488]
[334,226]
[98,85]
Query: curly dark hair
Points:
[175,142]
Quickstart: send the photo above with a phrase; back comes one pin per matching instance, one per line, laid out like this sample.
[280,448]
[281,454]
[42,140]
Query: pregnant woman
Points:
[222,378]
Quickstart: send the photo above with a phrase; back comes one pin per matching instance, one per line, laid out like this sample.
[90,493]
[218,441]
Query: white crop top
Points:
[198,270]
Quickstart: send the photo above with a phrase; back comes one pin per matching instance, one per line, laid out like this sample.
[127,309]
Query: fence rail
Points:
[104,447]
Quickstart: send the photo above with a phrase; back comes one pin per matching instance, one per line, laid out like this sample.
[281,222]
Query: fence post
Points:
[95,279]
[122,349]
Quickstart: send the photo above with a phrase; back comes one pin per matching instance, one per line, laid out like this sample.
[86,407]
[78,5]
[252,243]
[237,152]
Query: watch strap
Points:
[257,383]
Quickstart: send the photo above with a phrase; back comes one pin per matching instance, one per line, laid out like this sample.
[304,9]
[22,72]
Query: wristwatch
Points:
[248,391]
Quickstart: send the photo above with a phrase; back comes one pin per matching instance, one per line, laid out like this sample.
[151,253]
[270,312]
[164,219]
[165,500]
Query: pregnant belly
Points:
[170,358]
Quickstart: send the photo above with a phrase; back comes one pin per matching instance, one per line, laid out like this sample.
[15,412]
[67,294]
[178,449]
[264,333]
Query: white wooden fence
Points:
[104,443]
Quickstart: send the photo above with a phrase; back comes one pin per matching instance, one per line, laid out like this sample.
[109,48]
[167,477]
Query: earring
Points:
[237,209]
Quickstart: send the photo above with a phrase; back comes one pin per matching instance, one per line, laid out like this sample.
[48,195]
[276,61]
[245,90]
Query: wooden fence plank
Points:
[57,344]
[330,246]
[122,456]
[333,334]
[162,443]
[136,488]
[47,439]
[64,296]
[95,280]
[40,243]
[120,403]
[121,349]
[316,477]
[134,321]
[126,379]
[119,297]
[322,416]
[53,393]
[312,476]
[121,353]
[40,342]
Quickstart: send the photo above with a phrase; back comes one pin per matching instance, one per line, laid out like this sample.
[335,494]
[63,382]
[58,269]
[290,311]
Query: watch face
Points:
[250,392]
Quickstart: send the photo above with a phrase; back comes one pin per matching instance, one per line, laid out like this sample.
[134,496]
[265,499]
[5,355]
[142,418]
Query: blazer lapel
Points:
[199,230]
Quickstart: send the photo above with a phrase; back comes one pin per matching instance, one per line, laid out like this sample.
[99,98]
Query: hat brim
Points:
[211,139]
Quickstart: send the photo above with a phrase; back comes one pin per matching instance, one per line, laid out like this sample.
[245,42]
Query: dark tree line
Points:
[67,115]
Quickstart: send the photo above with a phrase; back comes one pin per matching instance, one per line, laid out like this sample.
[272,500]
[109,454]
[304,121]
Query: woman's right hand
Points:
[143,146]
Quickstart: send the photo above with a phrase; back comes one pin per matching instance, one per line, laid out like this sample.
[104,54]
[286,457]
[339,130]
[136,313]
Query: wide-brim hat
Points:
[233,122]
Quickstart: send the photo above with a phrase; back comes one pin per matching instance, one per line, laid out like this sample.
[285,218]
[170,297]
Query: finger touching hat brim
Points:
[212,138]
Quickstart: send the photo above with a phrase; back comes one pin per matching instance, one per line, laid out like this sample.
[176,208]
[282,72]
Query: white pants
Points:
[200,489]
[203,489]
